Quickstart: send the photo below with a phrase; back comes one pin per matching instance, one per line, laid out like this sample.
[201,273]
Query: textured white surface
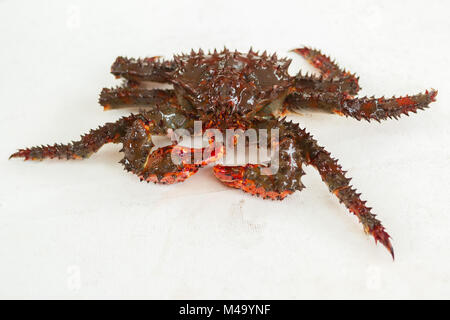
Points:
[86,229]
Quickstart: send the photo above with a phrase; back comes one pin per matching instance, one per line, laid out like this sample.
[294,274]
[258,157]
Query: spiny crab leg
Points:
[310,83]
[360,108]
[126,97]
[137,70]
[328,68]
[338,184]
[89,143]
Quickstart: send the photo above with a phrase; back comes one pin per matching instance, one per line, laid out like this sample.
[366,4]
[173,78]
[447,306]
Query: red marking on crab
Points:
[234,177]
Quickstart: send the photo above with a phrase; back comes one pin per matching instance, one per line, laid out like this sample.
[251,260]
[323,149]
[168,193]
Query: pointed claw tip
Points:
[16,155]
[388,245]
[392,254]
[383,237]
[303,51]
[390,248]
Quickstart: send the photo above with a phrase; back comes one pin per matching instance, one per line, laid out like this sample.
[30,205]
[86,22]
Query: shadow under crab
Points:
[234,90]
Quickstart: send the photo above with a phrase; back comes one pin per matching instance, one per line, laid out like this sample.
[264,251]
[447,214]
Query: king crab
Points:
[240,91]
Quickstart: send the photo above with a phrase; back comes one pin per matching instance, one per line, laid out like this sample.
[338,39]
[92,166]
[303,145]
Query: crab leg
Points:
[360,108]
[327,67]
[338,184]
[137,70]
[345,85]
[126,97]
[89,143]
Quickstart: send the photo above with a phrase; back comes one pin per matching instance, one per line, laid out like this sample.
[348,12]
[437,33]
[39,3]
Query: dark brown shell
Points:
[230,82]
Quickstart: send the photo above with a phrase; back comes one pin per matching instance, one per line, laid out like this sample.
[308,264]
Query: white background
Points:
[88,229]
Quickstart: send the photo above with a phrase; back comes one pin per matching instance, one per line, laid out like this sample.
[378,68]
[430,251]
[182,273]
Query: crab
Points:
[235,90]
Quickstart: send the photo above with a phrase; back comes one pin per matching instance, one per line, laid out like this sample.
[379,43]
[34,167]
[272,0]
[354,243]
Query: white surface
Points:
[86,229]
